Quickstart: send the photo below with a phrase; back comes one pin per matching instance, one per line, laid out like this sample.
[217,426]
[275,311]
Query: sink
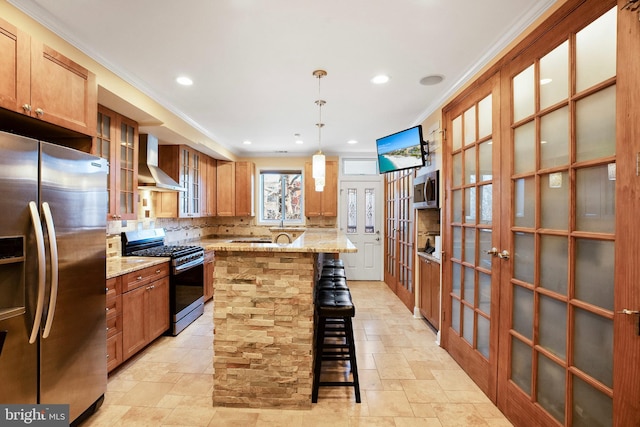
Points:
[249,240]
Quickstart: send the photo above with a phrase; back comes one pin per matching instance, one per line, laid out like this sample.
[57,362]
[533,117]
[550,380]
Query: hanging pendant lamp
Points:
[318,165]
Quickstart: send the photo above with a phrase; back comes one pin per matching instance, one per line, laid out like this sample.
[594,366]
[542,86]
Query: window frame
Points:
[261,201]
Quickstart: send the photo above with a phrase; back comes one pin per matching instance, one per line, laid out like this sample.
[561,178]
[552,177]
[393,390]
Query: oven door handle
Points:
[189,265]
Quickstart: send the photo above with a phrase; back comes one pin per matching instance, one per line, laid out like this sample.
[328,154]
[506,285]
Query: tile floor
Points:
[405,380]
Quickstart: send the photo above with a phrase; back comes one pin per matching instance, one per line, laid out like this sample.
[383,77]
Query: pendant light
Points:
[318,165]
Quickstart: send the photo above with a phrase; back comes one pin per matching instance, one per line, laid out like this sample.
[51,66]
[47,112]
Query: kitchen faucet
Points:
[275,240]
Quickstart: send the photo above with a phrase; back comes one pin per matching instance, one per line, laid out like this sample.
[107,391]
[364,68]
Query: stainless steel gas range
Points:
[186,278]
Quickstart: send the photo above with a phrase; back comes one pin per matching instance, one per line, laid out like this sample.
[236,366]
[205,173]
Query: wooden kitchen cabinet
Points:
[245,188]
[117,141]
[430,291]
[114,323]
[39,82]
[321,203]
[235,188]
[183,164]
[209,186]
[208,275]
[145,307]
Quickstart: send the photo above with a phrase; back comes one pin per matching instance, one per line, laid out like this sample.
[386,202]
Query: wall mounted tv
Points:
[401,150]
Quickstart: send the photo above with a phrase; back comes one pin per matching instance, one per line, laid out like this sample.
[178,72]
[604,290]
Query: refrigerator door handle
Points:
[53,248]
[42,270]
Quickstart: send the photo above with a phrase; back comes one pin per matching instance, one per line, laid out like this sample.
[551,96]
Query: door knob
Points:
[504,255]
[628,312]
[377,239]
[493,251]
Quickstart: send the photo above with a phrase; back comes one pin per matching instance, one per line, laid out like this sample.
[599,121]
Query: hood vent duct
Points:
[150,176]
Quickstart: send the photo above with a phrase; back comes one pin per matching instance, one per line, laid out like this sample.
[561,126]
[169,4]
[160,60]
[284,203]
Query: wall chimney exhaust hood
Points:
[150,176]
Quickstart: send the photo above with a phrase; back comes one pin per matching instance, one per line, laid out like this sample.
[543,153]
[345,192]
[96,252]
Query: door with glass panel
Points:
[399,251]
[360,221]
[559,187]
[470,279]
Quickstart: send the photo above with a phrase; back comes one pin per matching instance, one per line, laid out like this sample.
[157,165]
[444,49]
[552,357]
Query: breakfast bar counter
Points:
[263,318]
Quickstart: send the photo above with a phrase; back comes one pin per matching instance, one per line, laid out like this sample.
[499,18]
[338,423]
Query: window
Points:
[281,192]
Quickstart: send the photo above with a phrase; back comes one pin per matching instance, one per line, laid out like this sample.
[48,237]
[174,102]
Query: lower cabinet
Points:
[208,275]
[430,291]
[138,315]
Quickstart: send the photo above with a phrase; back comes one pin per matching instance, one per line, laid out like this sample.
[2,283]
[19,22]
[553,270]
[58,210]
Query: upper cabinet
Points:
[183,164]
[235,188]
[117,141]
[209,186]
[321,203]
[39,82]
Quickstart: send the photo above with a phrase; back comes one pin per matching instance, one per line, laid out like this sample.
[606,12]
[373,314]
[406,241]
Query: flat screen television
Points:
[401,150]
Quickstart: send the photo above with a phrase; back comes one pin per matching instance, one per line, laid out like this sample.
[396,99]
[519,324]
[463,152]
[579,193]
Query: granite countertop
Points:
[321,240]
[117,266]
[429,257]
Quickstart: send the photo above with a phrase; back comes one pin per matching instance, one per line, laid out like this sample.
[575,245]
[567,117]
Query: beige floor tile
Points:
[190,416]
[373,422]
[458,415]
[454,380]
[423,410]
[388,404]
[193,385]
[417,422]
[145,394]
[139,416]
[232,417]
[424,391]
[393,366]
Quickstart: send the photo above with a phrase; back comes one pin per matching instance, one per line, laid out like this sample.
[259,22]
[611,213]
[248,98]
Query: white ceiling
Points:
[252,60]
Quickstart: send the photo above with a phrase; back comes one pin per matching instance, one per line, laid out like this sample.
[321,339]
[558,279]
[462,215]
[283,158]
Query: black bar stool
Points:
[334,310]
[333,262]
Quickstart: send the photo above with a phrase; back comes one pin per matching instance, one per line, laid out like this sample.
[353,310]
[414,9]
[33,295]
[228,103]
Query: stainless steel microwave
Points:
[425,191]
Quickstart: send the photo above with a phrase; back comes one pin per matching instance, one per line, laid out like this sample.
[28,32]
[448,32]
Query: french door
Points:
[398,235]
[542,235]
[471,274]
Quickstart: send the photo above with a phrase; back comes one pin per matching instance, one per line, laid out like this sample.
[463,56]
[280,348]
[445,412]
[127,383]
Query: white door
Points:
[360,220]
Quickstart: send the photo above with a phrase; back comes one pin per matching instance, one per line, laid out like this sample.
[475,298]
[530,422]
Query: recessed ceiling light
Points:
[247,142]
[352,141]
[184,81]
[297,137]
[431,80]
[380,79]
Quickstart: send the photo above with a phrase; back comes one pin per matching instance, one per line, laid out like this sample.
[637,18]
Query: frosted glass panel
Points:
[554,201]
[553,263]
[470,125]
[593,346]
[596,125]
[457,243]
[523,257]
[551,387]
[524,202]
[469,286]
[595,200]
[457,169]
[456,278]
[521,365]
[470,245]
[554,139]
[485,161]
[486,244]
[369,210]
[554,76]
[352,210]
[484,292]
[524,150]
[456,133]
[486,203]
[523,311]
[457,205]
[484,117]
[553,326]
[455,315]
[483,336]
[595,272]
[596,51]
[590,406]
[467,322]
[523,94]
[470,205]
[470,166]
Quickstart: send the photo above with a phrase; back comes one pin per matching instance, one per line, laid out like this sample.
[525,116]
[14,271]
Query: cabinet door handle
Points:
[158,271]
[39,112]
[139,278]
[26,108]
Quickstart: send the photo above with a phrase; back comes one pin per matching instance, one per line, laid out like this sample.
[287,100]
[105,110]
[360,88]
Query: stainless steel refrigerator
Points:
[53,204]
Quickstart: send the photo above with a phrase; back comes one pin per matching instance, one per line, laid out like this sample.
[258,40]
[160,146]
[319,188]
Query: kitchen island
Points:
[263,318]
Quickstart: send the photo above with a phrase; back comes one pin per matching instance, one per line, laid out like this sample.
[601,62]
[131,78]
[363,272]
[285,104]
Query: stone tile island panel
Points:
[263,335]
